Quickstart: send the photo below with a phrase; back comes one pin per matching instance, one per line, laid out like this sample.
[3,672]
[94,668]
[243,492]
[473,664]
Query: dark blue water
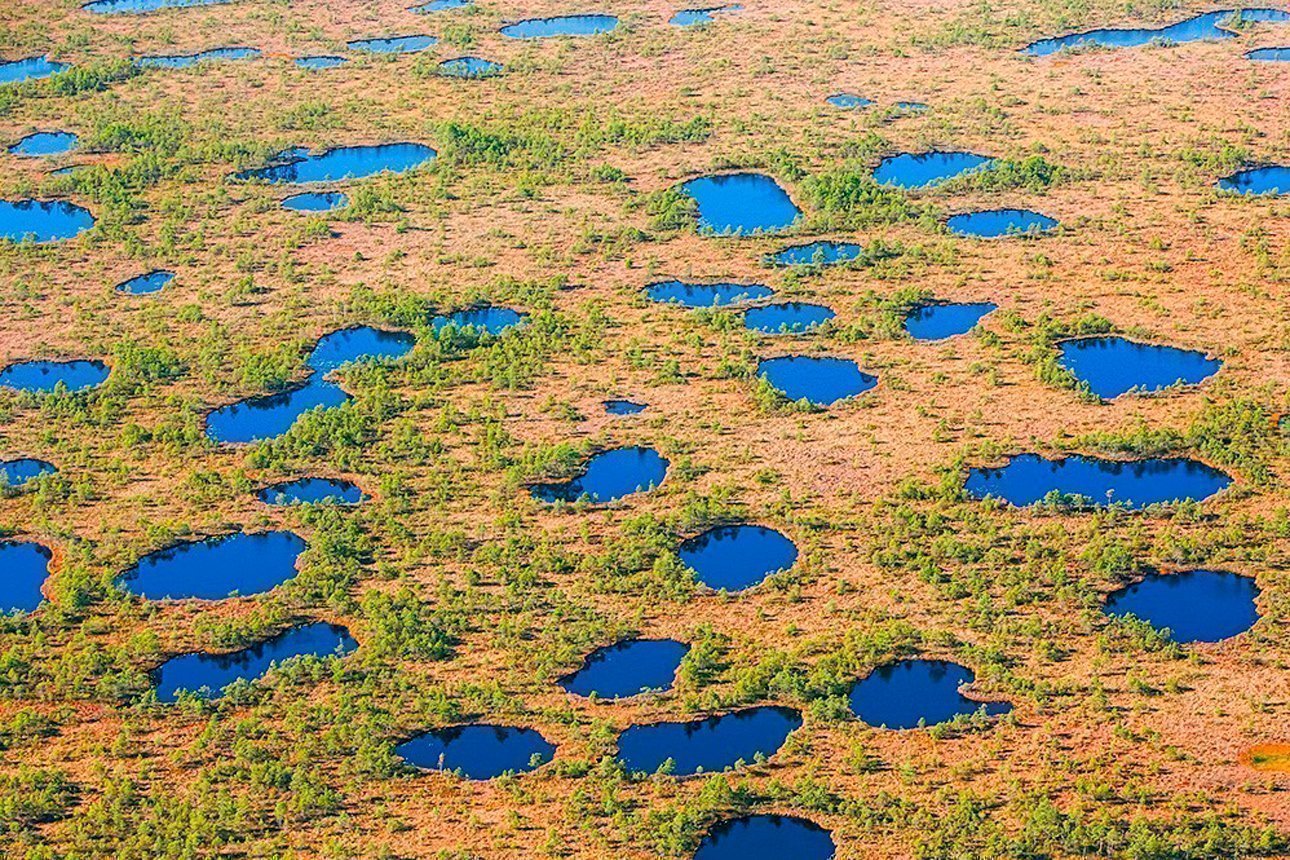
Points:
[43,143]
[707,745]
[911,693]
[311,491]
[816,254]
[628,669]
[766,837]
[359,343]
[136,7]
[822,381]
[149,282]
[344,162]
[30,69]
[706,295]
[738,203]
[470,67]
[42,220]
[44,376]
[24,566]
[567,25]
[695,17]
[1259,180]
[787,317]
[737,557]
[924,169]
[321,61]
[938,321]
[478,751]
[624,407]
[848,101]
[15,473]
[208,675]
[609,476]
[393,44]
[315,201]
[488,319]
[1195,605]
[996,223]
[183,61]
[1114,365]
[216,568]
[1201,27]
[439,6]
[1028,478]
[1275,55]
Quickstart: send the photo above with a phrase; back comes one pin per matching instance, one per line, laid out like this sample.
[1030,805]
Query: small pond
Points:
[26,567]
[740,203]
[1198,28]
[766,837]
[316,201]
[321,61]
[1112,366]
[609,476]
[393,44]
[1270,55]
[707,745]
[45,376]
[183,61]
[15,473]
[208,675]
[311,491]
[822,381]
[822,253]
[706,15]
[478,751]
[45,143]
[1195,605]
[914,693]
[439,6]
[138,7]
[786,317]
[624,407]
[149,282]
[1274,179]
[937,320]
[239,564]
[358,343]
[565,25]
[488,319]
[270,415]
[925,169]
[998,223]
[1029,478]
[848,101]
[30,69]
[42,220]
[470,67]
[910,107]
[343,162]
[628,669]
[733,558]
[706,295]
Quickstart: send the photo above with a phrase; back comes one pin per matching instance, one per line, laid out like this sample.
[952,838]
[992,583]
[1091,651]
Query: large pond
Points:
[925,169]
[820,380]
[766,837]
[315,201]
[913,693]
[137,7]
[1112,366]
[45,376]
[30,69]
[628,669]
[998,223]
[393,44]
[344,162]
[1029,478]
[707,745]
[1274,179]
[44,143]
[183,61]
[239,564]
[15,473]
[469,67]
[741,203]
[1201,27]
[479,751]
[42,220]
[939,320]
[565,25]
[1195,605]
[609,476]
[706,295]
[488,319]
[148,282]
[26,567]
[311,491]
[822,253]
[208,675]
[787,317]
[733,558]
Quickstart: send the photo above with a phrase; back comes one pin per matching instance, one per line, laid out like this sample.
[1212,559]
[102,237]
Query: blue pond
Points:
[938,321]
[1272,55]
[733,558]
[1198,28]
[136,7]
[787,317]
[848,101]
[997,223]
[1029,478]
[345,162]
[738,203]
[359,343]
[42,220]
[208,675]
[470,67]
[924,169]
[15,473]
[478,751]
[30,69]
[321,61]
[43,143]
[766,837]
[24,566]
[911,693]
[439,6]
[488,319]
[820,380]
[816,254]
[393,44]
[149,282]
[707,745]
[183,61]
[627,669]
[1112,366]
[45,376]
[695,17]
[566,25]
[623,407]
[311,491]
[609,476]
[316,201]
[911,107]
[1195,605]
[706,295]
[216,568]
[1274,179]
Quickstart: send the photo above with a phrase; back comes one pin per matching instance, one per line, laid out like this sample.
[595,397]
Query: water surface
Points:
[821,380]
[344,162]
[479,751]
[925,169]
[42,220]
[488,319]
[1274,55]
[787,317]
[439,6]
[913,693]
[321,61]
[937,321]
[848,101]
[315,201]
[149,282]
[237,564]
[821,253]
[609,476]
[26,567]
[627,669]
[183,61]
[45,376]
[737,557]
[766,837]
[696,17]
[15,473]
[311,491]
[707,745]
[623,407]
[566,25]
[393,44]
[706,295]
[738,203]
[30,69]
[470,67]
[1029,478]
[45,143]
[138,7]
[1198,28]
[997,223]
[1195,605]
[1274,179]
[1112,366]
